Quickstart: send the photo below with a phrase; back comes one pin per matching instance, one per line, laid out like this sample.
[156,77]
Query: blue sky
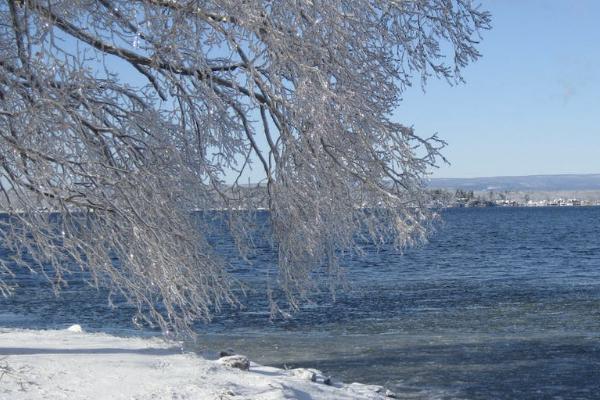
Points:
[531,104]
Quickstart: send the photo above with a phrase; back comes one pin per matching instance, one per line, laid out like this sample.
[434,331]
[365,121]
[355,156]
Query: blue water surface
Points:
[502,303]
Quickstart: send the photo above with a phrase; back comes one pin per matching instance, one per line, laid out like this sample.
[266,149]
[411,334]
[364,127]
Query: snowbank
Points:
[70,364]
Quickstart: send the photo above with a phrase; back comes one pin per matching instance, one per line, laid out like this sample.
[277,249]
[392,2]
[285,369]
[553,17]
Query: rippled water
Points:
[500,304]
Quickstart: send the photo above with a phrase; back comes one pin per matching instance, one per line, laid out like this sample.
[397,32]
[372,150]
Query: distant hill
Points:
[520,183]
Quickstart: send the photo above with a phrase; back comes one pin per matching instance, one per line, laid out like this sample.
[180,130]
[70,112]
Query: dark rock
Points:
[226,353]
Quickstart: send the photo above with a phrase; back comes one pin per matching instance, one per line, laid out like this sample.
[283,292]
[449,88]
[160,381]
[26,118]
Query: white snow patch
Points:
[56,365]
[75,328]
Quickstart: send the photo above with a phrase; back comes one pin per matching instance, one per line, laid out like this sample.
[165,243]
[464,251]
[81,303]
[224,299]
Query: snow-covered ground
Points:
[66,364]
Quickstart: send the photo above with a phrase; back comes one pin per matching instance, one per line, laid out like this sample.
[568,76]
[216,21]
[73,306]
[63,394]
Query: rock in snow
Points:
[236,361]
[304,373]
[362,388]
[225,353]
[311,374]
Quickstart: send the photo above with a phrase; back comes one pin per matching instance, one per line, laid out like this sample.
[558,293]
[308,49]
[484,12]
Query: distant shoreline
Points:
[4,213]
[527,183]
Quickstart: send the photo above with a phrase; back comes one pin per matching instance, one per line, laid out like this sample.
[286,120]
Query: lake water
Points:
[502,303]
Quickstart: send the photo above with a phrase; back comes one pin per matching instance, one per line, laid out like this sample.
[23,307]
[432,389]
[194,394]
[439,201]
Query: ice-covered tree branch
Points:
[118,118]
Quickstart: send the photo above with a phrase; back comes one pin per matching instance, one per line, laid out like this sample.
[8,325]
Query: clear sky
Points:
[531,104]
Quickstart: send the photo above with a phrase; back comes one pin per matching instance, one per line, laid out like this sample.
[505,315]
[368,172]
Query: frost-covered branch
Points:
[117,118]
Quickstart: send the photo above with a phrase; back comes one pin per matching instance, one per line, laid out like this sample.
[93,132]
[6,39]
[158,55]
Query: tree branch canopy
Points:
[119,118]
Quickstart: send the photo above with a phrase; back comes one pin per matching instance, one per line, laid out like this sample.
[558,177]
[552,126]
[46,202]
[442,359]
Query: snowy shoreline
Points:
[67,364]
